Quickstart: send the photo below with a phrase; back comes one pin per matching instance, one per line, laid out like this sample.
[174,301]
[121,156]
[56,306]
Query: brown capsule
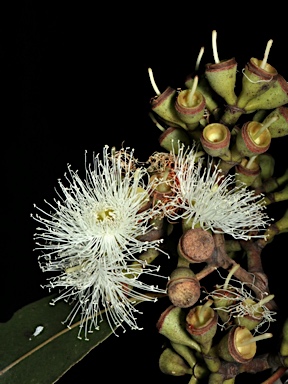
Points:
[196,245]
[183,288]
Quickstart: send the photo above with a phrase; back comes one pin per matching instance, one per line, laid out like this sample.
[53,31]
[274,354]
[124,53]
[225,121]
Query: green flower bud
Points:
[163,105]
[206,90]
[284,342]
[232,347]
[267,164]
[255,81]
[275,96]
[279,127]
[171,324]
[170,363]
[201,323]
[215,139]
[222,78]
[190,106]
[246,175]
[250,141]
[185,352]
[172,138]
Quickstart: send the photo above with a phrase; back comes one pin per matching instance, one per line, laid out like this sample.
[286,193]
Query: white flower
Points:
[203,196]
[238,301]
[92,239]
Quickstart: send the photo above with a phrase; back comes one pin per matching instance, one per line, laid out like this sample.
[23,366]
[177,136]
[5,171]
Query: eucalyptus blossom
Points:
[203,196]
[90,239]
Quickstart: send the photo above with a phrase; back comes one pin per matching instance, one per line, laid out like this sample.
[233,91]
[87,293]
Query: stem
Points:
[214,47]
[276,375]
[230,274]
[255,338]
[199,58]
[265,126]
[156,89]
[156,122]
[192,92]
[205,271]
[267,50]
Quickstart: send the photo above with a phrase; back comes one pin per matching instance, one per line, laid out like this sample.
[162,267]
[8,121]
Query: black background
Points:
[77,77]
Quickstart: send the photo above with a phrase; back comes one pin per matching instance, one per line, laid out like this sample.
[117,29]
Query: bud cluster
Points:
[215,158]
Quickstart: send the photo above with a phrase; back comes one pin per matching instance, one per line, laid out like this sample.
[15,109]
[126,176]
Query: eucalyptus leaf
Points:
[36,348]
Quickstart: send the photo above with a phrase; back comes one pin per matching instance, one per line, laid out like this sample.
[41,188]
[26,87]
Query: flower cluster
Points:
[92,239]
[94,235]
[202,196]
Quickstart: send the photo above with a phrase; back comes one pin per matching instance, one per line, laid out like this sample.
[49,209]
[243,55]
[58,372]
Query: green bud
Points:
[185,352]
[284,343]
[215,139]
[250,141]
[172,138]
[190,108]
[201,323]
[222,78]
[163,106]
[171,324]
[267,164]
[280,127]
[170,363]
[206,90]
[275,96]
[237,345]
[255,81]
[246,175]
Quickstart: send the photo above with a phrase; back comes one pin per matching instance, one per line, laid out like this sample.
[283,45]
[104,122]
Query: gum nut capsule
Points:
[183,287]
[196,245]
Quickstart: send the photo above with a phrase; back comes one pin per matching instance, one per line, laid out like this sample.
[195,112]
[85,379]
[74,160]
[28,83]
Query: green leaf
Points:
[44,358]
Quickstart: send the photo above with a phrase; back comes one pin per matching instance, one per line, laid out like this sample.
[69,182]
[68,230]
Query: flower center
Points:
[105,214]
